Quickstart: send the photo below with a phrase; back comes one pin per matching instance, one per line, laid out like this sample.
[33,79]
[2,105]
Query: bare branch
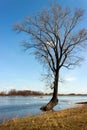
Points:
[54,37]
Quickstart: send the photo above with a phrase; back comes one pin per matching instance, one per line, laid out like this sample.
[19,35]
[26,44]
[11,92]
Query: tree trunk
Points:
[53,102]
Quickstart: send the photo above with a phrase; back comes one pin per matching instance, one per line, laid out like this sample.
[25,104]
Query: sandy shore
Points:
[81,103]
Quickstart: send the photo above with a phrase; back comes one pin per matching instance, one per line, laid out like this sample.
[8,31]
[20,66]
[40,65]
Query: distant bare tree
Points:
[56,40]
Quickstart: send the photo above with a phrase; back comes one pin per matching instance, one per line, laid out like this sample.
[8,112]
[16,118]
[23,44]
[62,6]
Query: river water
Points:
[19,106]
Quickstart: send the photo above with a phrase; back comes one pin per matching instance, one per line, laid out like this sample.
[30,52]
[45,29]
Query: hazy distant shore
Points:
[14,92]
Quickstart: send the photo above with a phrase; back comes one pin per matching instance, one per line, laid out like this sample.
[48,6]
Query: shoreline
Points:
[71,118]
[84,103]
[81,104]
[30,106]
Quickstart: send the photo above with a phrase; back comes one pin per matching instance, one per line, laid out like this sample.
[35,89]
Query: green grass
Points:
[69,119]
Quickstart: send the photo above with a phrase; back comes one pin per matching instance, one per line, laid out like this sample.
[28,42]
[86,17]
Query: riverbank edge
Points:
[71,118]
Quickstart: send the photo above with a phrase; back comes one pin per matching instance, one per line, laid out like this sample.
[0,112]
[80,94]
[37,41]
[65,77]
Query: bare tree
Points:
[56,40]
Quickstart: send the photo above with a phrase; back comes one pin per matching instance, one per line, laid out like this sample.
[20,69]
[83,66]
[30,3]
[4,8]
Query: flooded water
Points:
[19,106]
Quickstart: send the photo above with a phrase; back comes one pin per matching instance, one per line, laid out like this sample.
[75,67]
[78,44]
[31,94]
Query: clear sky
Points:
[18,70]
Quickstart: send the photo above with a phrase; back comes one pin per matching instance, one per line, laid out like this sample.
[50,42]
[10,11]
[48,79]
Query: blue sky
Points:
[18,70]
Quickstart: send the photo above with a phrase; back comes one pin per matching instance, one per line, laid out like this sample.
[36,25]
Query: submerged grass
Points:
[69,119]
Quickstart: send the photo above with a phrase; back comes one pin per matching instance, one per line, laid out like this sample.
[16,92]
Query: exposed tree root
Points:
[49,106]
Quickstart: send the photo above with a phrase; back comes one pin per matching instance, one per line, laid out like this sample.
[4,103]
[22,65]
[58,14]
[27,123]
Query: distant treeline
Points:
[14,92]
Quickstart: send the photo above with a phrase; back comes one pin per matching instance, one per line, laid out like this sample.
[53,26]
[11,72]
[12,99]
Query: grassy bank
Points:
[70,119]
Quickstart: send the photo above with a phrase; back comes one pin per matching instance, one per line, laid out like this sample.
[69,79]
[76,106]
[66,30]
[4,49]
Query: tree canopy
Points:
[55,39]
